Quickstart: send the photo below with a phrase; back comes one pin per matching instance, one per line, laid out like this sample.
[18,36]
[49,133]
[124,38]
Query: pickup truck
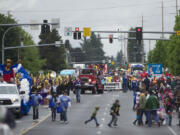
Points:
[10,98]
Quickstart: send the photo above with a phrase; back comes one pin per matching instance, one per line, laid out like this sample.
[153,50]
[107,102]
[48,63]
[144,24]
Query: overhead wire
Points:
[87,9]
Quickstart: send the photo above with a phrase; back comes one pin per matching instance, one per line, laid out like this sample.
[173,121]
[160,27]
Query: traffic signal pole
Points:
[146,32]
[135,38]
[17,25]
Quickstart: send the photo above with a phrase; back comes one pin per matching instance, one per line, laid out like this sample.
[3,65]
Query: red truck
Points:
[90,81]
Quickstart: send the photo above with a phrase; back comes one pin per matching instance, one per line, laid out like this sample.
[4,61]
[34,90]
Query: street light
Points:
[17,25]
[3,53]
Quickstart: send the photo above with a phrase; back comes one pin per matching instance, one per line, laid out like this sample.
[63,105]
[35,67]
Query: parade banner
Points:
[113,86]
[155,69]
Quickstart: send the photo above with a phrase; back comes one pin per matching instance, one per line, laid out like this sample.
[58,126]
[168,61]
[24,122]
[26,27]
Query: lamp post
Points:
[18,25]
[3,52]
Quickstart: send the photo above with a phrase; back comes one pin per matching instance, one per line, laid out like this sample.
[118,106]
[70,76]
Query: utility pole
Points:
[162,19]
[142,43]
[177,7]
[149,45]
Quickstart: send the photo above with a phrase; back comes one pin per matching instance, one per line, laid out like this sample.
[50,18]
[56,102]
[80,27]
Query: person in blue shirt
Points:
[53,100]
[65,102]
[124,83]
[134,85]
[77,85]
[36,99]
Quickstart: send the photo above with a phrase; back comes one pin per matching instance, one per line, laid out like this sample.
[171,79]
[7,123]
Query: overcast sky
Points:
[97,14]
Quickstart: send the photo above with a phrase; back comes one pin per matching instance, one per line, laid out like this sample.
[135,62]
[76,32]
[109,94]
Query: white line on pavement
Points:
[98,132]
[172,131]
[34,125]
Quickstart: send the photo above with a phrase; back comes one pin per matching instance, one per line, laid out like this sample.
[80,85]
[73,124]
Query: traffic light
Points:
[77,33]
[45,28]
[111,39]
[139,35]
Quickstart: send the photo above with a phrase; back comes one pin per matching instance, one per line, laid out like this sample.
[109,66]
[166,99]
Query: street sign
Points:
[112,62]
[68,31]
[154,69]
[86,31]
[178,33]
[58,43]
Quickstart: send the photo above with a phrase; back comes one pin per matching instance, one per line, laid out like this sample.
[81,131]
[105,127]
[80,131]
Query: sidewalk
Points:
[26,121]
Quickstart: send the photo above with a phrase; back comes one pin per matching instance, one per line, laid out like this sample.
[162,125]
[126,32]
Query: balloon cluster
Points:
[25,87]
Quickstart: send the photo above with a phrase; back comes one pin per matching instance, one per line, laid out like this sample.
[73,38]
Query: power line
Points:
[86,9]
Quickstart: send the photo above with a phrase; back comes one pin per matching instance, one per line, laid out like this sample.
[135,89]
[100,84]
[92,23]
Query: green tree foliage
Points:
[168,53]
[174,50]
[29,56]
[159,53]
[11,38]
[93,48]
[55,56]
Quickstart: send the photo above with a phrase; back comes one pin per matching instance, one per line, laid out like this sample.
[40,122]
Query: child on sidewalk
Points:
[93,117]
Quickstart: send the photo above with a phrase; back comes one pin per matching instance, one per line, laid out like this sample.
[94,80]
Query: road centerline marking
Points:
[172,131]
[34,125]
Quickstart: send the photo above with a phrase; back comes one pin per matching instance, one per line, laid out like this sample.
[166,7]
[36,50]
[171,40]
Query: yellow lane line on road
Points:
[34,125]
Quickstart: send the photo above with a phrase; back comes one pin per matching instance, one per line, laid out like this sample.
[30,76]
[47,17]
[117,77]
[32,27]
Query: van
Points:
[10,98]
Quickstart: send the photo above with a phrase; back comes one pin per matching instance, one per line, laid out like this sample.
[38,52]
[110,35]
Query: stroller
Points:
[162,115]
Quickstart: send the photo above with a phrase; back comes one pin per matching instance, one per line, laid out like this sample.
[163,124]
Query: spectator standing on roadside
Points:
[147,83]
[36,99]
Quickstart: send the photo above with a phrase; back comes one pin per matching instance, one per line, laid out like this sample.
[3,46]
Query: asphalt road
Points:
[78,113]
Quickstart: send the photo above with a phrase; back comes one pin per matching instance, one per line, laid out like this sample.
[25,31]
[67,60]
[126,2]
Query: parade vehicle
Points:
[14,98]
[136,68]
[10,98]
[90,81]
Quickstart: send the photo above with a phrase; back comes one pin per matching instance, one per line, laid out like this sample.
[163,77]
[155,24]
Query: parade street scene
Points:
[89,67]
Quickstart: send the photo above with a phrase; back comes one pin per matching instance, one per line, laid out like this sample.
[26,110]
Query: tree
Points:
[174,50]
[55,56]
[168,52]
[93,48]
[159,53]
[30,56]
[11,38]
